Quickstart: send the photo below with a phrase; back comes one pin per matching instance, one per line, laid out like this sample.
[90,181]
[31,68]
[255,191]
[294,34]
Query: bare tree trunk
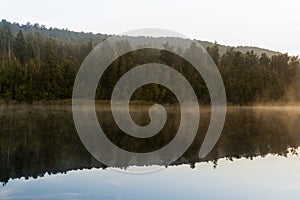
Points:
[9,54]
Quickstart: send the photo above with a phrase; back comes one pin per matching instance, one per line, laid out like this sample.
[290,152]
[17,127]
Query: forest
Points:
[40,64]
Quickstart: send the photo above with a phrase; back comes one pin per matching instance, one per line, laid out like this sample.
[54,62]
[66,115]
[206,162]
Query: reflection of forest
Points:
[35,141]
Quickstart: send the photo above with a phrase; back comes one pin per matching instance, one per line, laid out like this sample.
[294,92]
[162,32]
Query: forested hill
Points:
[68,36]
[63,35]
[242,49]
[40,64]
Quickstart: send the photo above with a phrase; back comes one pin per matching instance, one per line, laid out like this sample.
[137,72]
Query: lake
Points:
[256,157]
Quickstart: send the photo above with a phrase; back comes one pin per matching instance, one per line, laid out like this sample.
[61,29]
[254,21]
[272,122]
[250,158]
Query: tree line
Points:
[36,67]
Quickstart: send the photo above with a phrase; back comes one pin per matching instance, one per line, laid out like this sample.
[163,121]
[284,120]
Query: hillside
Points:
[63,35]
[40,64]
[68,36]
[243,49]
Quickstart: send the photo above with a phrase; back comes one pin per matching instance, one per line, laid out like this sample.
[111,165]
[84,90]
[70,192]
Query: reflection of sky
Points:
[264,178]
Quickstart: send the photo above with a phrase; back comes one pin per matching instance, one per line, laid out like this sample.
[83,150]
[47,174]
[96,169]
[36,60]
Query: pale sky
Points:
[268,24]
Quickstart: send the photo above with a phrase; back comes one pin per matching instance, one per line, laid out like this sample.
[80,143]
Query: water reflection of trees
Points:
[34,141]
[249,133]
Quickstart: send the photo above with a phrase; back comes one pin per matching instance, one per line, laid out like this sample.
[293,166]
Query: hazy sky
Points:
[269,24]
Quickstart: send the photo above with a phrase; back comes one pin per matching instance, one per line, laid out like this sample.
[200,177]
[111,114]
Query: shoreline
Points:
[143,104]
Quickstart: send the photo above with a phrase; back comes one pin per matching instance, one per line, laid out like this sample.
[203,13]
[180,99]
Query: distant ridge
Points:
[243,49]
[65,35]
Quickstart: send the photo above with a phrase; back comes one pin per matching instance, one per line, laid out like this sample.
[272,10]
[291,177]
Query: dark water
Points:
[42,157]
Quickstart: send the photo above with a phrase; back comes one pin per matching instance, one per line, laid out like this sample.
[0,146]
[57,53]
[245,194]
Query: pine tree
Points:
[20,47]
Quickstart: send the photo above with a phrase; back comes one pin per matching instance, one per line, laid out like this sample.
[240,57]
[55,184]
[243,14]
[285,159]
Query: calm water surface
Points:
[42,157]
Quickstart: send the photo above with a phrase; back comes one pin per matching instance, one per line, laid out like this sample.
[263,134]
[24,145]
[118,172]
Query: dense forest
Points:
[40,64]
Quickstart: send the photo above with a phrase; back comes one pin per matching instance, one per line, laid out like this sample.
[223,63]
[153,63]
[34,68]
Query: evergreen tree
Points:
[213,51]
[20,47]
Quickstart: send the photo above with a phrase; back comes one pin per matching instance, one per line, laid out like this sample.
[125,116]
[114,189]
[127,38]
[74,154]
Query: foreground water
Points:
[42,157]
